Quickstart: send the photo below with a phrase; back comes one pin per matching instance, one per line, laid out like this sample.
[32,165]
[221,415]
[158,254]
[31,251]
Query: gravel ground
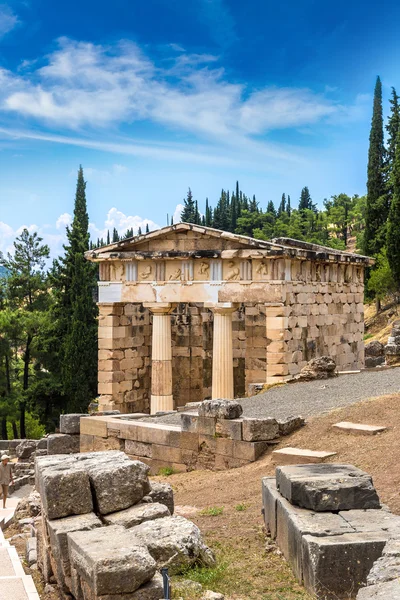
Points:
[315,397]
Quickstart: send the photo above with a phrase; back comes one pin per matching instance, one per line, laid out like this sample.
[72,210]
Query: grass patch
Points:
[368,335]
[166,471]
[241,507]
[212,511]
[208,577]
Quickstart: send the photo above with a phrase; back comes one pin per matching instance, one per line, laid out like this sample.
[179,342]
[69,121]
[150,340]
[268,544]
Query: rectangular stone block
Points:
[94,426]
[86,443]
[258,430]
[231,429]
[250,451]
[389,590]
[337,566]
[358,428]
[224,446]
[206,425]
[166,453]
[138,448]
[223,462]
[329,487]
[62,443]
[70,423]
[130,517]
[296,456]
[152,433]
[189,441]
[108,560]
[270,496]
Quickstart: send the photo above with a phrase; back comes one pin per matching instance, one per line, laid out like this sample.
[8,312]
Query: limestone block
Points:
[337,566]
[109,560]
[64,486]
[25,449]
[62,443]
[358,428]
[270,497]
[327,487]
[130,517]
[152,433]
[231,429]
[190,441]
[220,409]
[257,430]
[290,424]
[173,542]
[382,591]
[58,530]
[376,520]
[138,448]
[94,426]
[70,423]
[206,425]
[163,494]
[116,481]
[166,453]
[295,456]
[110,443]
[86,443]
[249,451]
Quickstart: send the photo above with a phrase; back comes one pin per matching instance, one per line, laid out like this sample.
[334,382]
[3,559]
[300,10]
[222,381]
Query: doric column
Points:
[222,366]
[161,357]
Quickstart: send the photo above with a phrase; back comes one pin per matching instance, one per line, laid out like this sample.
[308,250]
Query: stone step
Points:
[298,456]
[359,428]
[10,565]
[18,588]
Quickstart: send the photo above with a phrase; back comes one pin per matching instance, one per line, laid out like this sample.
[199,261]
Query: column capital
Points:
[162,308]
[222,308]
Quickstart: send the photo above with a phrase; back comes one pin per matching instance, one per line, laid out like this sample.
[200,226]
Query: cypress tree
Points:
[288,207]
[77,311]
[115,237]
[305,199]
[147,228]
[376,210]
[393,224]
[392,128]
[139,231]
[108,237]
[208,215]
[282,206]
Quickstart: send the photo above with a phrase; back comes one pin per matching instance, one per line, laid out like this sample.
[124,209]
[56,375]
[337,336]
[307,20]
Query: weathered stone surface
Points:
[387,567]
[337,566]
[290,424]
[42,444]
[70,423]
[130,517]
[327,487]
[64,487]
[117,482]
[381,591]
[152,590]
[296,456]
[358,428]
[138,448]
[62,443]
[162,493]
[317,368]
[173,542]
[258,430]
[270,496]
[109,560]
[374,349]
[185,586]
[25,449]
[220,409]
[209,595]
[374,361]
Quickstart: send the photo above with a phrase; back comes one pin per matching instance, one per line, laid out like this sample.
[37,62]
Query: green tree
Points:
[188,214]
[305,202]
[381,282]
[393,225]
[377,204]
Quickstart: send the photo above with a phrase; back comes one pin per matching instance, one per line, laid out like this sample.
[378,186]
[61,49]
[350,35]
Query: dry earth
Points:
[249,569]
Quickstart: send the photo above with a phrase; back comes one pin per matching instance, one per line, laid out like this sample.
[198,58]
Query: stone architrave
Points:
[161,357]
[222,366]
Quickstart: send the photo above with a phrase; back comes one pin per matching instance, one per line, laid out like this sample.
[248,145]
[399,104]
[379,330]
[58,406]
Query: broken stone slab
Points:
[130,517]
[25,449]
[58,531]
[109,560]
[329,487]
[117,481]
[381,591]
[387,567]
[290,424]
[374,349]
[270,497]
[71,423]
[220,409]
[337,566]
[152,590]
[162,493]
[64,487]
[371,520]
[317,368]
[173,542]
[62,443]
[374,361]
[295,456]
[209,595]
[259,430]
[359,428]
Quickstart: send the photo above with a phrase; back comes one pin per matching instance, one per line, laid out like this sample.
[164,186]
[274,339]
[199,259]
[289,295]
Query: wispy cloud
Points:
[8,19]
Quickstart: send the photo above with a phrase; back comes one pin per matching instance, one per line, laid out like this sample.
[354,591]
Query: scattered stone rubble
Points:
[374,354]
[317,368]
[106,530]
[331,528]
[392,348]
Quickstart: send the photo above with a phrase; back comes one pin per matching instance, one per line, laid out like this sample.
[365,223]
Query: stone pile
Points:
[374,354]
[392,348]
[323,367]
[106,530]
[328,522]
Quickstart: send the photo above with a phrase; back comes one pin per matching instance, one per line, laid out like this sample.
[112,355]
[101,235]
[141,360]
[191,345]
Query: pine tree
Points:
[377,209]
[188,214]
[271,208]
[74,283]
[393,225]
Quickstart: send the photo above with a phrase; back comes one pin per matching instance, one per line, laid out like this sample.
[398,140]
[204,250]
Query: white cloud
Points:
[8,20]
[84,84]
[63,221]
[177,214]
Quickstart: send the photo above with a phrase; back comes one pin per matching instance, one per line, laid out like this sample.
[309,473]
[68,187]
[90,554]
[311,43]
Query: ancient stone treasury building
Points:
[189,312]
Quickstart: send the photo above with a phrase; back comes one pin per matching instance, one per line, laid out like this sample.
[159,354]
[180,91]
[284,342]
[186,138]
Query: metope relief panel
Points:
[131,270]
[202,271]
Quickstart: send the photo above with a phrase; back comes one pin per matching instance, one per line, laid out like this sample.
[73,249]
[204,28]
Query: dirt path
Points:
[237,534]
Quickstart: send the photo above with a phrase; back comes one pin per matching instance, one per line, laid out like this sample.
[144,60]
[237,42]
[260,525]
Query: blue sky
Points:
[153,97]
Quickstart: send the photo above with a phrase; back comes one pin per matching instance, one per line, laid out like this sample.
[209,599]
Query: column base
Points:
[161,403]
